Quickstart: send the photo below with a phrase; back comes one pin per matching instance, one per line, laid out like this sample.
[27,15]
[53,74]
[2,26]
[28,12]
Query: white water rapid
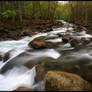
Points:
[19,75]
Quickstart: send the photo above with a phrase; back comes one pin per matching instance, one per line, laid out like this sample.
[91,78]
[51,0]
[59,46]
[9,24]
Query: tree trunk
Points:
[20,11]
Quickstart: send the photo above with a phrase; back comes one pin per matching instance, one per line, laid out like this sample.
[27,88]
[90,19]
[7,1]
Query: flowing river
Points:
[13,72]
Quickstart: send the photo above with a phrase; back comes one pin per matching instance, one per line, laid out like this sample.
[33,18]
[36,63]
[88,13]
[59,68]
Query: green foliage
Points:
[28,8]
[8,14]
[72,11]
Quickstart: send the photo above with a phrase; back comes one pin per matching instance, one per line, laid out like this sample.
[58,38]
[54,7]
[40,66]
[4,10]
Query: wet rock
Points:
[60,35]
[37,44]
[59,23]
[40,70]
[40,73]
[59,44]
[20,59]
[51,37]
[89,65]
[65,40]
[40,43]
[23,89]
[77,67]
[25,33]
[44,44]
[30,64]
[67,35]
[41,61]
[46,61]
[68,30]
[75,42]
[63,81]
[88,76]
[6,56]
[85,41]
[86,25]
[49,29]
[40,38]
[38,27]
[1,57]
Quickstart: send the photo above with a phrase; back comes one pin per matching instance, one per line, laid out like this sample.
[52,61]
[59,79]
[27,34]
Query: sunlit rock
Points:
[42,42]
[62,81]
[40,38]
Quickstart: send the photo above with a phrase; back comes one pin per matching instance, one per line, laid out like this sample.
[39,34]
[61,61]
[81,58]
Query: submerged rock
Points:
[6,56]
[23,89]
[30,64]
[40,73]
[65,40]
[0,57]
[75,42]
[63,81]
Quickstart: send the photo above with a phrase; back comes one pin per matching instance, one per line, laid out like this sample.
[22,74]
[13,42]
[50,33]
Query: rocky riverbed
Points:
[51,59]
[15,31]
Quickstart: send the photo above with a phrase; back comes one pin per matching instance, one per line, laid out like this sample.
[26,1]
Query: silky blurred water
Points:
[19,75]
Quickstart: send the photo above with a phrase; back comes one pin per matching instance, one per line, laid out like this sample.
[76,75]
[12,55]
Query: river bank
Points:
[15,31]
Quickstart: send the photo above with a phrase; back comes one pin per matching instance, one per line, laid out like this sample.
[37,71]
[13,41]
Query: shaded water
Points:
[13,73]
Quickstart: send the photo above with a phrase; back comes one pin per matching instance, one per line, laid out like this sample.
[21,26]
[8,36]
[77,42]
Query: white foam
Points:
[17,77]
[55,40]
[20,76]
[5,46]
[45,53]
[1,62]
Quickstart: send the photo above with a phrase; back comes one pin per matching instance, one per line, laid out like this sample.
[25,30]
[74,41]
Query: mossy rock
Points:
[63,81]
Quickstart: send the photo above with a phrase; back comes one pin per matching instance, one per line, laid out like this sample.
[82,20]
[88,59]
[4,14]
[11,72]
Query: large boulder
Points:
[37,42]
[63,81]
[40,43]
